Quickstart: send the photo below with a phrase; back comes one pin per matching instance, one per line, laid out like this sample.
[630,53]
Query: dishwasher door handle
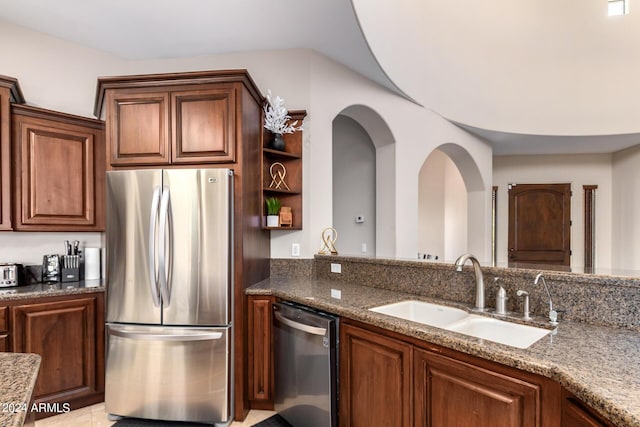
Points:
[300,326]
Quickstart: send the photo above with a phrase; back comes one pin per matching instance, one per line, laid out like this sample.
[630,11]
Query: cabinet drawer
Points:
[4,327]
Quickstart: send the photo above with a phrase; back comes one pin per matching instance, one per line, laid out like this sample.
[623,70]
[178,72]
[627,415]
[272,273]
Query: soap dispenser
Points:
[501,299]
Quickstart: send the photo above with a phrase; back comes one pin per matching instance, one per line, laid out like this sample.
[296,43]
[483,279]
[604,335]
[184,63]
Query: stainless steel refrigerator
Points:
[169,295]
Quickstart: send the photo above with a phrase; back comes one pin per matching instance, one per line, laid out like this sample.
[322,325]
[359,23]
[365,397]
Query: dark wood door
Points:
[60,175]
[540,224]
[204,125]
[452,393]
[138,131]
[5,160]
[67,335]
[375,379]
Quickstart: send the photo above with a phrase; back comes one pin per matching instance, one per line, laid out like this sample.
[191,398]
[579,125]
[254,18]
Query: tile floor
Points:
[95,416]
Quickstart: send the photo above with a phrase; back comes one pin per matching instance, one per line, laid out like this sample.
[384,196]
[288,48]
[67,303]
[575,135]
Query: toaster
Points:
[10,275]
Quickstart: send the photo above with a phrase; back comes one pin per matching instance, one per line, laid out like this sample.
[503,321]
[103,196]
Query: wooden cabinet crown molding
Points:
[173,79]
[14,89]
[43,113]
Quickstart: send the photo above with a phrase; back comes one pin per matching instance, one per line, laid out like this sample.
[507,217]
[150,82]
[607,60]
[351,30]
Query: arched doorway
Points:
[450,190]
[363,175]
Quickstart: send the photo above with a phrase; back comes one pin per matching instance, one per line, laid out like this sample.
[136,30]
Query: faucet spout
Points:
[460,262]
[553,314]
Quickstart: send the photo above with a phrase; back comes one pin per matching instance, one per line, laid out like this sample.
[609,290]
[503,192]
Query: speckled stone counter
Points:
[596,363]
[18,374]
[50,289]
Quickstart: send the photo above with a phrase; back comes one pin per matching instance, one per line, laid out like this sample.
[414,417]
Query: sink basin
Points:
[513,334]
[457,320]
[423,312]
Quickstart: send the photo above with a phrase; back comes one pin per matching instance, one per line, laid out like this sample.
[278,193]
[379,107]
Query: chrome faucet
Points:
[462,259]
[553,314]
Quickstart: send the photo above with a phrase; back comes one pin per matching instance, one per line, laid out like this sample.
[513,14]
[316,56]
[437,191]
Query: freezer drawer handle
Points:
[300,326]
[167,337]
[153,272]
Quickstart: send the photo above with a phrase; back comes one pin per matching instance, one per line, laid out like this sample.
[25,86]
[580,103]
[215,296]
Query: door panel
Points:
[540,224]
[179,374]
[64,334]
[450,393]
[199,248]
[139,129]
[204,126]
[129,200]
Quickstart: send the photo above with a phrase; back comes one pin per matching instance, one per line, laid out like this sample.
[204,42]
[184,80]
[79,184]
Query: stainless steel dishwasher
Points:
[306,365]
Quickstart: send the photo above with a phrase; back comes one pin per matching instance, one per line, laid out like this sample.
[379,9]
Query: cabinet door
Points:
[204,125]
[451,393]
[375,379]
[64,334]
[5,161]
[60,175]
[4,329]
[138,130]
[260,351]
[577,414]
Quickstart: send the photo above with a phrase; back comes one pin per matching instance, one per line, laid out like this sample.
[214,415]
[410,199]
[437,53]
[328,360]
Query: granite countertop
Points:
[596,363]
[50,289]
[18,374]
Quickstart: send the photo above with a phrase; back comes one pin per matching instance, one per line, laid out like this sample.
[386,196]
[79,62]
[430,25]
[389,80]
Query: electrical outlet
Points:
[295,249]
[364,248]
[336,293]
[336,268]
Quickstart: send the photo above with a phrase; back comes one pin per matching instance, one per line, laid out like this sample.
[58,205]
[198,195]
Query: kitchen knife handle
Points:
[153,271]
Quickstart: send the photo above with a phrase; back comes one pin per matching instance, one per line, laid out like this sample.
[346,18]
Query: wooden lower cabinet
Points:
[69,335]
[4,329]
[390,379]
[375,379]
[576,413]
[260,351]
[449,392]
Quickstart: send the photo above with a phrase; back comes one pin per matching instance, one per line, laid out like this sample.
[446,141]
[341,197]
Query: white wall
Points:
[354,187]
[626,211]
[579,170]
[55,74]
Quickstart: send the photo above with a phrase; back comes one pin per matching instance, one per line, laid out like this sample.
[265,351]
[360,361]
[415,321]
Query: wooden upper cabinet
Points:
[204,126]
[138,129]
[9,93]
[177,118]
[59,171]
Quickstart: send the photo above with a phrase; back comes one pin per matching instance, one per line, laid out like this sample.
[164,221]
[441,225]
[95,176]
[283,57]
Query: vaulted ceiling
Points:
[528,75]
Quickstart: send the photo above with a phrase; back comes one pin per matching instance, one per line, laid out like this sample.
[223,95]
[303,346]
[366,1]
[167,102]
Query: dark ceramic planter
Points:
[277,143]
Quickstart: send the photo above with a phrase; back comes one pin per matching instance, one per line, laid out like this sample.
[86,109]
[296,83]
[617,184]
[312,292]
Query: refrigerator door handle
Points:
[198,336]
[153,271]
[164,241]
[300,326]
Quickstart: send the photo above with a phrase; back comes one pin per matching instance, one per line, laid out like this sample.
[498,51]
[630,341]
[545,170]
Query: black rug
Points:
[273,421]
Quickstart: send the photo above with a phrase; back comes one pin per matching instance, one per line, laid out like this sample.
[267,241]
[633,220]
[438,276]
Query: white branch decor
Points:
[276,116]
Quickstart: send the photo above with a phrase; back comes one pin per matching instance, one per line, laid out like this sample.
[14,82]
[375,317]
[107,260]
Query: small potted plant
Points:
[276,120]
[273,208]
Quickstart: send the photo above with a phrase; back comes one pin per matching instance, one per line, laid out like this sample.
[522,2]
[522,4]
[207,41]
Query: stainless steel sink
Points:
[457,320]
